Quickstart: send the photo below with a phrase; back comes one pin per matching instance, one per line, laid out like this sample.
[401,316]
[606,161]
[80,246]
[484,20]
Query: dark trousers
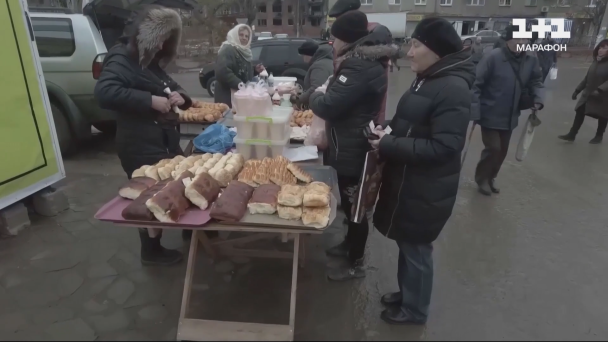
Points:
[356,237]
[496,144]
[415,277]
[580,118]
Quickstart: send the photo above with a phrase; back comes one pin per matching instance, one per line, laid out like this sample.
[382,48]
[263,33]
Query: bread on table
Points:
[318,186]
[141,172]
[279,174]
[202,191]
[289,213]
[316,217]
[291,195]
[152,172]
[315,198]
[300,174]
[135,187]
[170,203]
[262,173]
[232,203]
[137,210]
[264,199]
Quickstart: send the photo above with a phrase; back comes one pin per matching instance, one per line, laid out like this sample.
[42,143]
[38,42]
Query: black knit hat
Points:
[509,32]
[343,6]
[350,27]
[438,35]
[308,48]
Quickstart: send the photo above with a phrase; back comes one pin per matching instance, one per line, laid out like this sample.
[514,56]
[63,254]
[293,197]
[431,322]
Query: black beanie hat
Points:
[438,35]
[343,6]
[308,48]
[350,27]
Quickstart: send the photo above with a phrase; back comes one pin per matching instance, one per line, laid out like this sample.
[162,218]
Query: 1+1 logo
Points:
[542,28]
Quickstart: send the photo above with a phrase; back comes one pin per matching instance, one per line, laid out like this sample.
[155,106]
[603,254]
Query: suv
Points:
[279,56]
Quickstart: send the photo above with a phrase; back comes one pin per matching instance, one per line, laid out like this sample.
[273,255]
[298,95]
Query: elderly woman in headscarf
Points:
[233,64]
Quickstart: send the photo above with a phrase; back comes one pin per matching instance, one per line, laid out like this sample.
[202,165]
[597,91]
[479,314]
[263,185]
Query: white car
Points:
[281,35]
[487,37]
[264,35]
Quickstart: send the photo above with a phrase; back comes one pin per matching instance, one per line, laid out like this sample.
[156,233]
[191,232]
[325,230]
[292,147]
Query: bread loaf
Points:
[137,210]
[291,195]
[141,172]
[152,172]
[135,187]
[299,173]
[315,198]
[316,217]
[170,203]
[289,213]
[232,204]
[318,186]
[202,191]
[264,199]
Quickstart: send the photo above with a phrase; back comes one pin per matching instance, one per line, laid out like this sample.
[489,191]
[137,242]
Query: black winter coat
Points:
[594,88]
[422,153]
[127,83]
[353,98]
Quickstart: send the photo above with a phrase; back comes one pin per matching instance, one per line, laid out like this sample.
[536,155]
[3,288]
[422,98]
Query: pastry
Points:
[318,186]
[137,210]
[170,203]
[291,195]
[141,172]
[152,172]
[232,204]
[202,191]
[264,199]
[313,198]
[316,217]
[299,173]
[289,213]
[135,187]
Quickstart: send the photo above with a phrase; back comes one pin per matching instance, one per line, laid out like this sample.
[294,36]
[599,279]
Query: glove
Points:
[574,95]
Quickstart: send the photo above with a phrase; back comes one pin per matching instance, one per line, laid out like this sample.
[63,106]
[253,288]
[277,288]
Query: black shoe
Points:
[153,254]
[484,188]
[339,251]
[347,271]
[568,137]
[396,316]
[391,299]
[596,140]
[493,186]
[186,234]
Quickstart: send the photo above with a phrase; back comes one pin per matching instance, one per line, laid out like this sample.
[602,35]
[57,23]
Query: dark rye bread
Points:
[203,190]
[138,210]
[135,187]
[232,204]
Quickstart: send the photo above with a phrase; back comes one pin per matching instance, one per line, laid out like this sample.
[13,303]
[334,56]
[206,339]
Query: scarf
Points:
[232,39]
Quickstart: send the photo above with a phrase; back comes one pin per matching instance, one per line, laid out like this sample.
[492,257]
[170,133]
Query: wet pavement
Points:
[526,264]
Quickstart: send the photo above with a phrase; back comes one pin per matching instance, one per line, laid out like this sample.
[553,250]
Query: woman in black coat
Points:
[132,83]
[422,170]
[352,100]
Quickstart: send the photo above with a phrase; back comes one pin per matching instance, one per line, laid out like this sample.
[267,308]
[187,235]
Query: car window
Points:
[54,37]
[256,52]
[484,34]
[276,54]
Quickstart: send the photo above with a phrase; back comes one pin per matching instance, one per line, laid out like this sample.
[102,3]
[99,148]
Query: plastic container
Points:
[274,127]
[285,79]
[260,148]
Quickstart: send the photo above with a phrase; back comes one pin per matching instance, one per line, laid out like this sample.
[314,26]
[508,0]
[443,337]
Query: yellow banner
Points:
[26,143]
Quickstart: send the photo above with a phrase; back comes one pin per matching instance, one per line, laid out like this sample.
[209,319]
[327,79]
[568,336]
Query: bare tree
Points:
[593,9]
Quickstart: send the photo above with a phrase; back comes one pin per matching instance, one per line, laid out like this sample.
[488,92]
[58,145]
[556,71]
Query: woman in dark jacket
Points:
[422,170]
[321,65]
[352,100]
[132,83]
[594,100]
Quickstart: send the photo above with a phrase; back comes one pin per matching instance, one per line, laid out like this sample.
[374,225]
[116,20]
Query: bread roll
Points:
[315,199]
[170,203]
[316,217]
[135,187]
[232,204]
[264,199]
[202,191]
[223,177]
[289,213]
[299,173]
[152,172]
[318,186]
[141,172]
[291,195]
[165,171]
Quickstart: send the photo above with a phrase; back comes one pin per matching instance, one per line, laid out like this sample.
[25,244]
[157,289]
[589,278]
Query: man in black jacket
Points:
[353,98]
[422,170]
[132,83]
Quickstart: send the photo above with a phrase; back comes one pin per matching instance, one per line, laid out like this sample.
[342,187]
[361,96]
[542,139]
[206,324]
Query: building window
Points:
[289,9]
[420,2]
[315,22]
[367,2]
[476,2]
[290,22]
[277,22]
[504,3]
[563,3]
[277,8]
[446,3]
[531,2]
[262,22]
[394,2]
[262,8]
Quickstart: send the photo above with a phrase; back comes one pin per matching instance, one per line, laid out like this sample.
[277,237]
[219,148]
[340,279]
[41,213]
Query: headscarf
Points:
[232,39]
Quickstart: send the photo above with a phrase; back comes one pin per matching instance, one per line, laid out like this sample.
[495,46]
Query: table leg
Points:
[189,149]
[302,250]
[189,275]
[294,281]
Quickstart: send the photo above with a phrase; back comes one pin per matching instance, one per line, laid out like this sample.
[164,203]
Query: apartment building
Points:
[281,17]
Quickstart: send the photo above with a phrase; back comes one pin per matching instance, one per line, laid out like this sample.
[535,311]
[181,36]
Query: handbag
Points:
[526,101]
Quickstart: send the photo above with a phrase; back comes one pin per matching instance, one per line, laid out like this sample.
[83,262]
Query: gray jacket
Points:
[230,70]
[497,91]
[321,67]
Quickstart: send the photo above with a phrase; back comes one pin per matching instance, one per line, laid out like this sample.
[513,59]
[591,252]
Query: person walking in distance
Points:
[594,98]
[507,82]
[422,169]
[547,58]
[477,50]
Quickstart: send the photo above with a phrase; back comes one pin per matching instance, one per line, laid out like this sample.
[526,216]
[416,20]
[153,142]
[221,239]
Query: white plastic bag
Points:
[252,100]
[317,136]
[553,73]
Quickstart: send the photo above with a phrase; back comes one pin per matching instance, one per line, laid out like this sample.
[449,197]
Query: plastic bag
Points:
[216,138]
[317,135]
[553,73]
[252,100]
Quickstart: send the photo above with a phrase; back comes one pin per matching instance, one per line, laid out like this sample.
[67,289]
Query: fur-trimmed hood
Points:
[150,29]
[370,47]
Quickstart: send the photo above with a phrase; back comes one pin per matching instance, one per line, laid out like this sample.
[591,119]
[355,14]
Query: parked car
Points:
[279,56]
[281,35]
[487,37]
[264,35]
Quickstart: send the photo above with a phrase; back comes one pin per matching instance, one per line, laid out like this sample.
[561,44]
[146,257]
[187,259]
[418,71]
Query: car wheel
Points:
[62,127]
[106,127]
[211,86]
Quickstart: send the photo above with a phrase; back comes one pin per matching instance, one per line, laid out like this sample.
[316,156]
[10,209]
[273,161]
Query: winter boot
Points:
[351,270]
[390,299]
[153,254]
[568,137]
[596,140]
[493,186]
[339,251]
[484,188]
